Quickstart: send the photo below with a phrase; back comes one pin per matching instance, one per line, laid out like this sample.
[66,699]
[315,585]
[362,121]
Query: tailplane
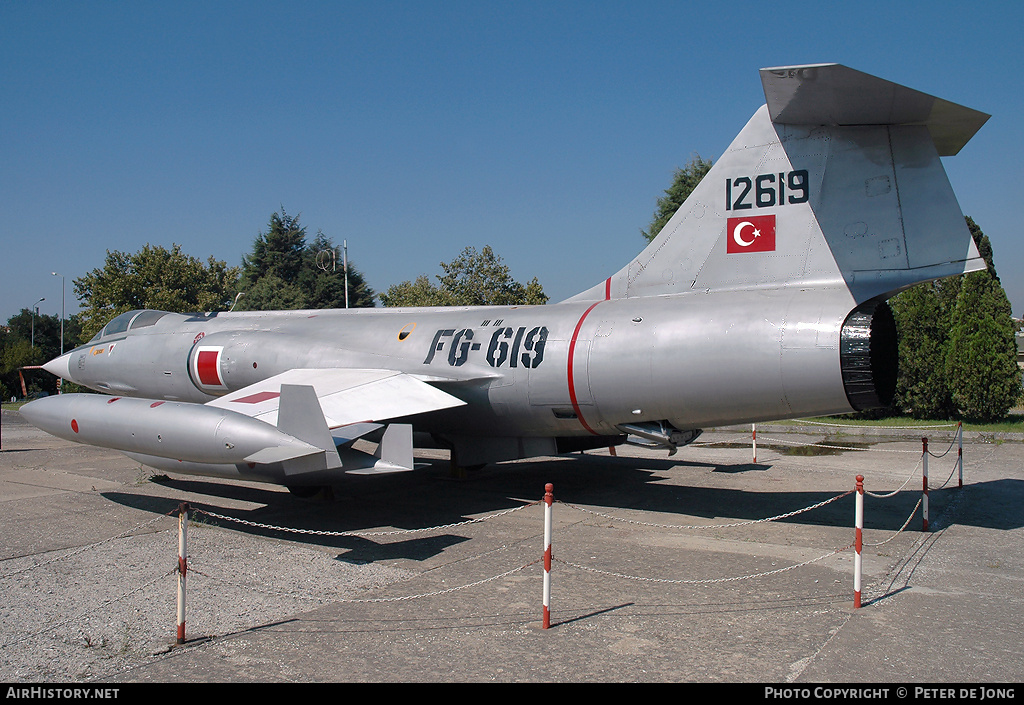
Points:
[836,181]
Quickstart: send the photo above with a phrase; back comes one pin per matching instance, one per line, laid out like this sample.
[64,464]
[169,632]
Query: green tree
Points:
[28,340]
[277,253]
[922,315]
[684,181]
[421,292]
[154,277]
[983,244]
[957,354]
[981,364]
[471,279]
[283,271]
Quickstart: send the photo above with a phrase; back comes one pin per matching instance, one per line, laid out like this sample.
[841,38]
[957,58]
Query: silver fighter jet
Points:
[762,298]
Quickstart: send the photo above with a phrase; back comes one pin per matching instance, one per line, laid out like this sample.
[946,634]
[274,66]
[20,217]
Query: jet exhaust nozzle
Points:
[868,356]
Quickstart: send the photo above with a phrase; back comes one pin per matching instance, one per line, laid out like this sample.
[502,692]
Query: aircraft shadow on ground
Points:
[431,497]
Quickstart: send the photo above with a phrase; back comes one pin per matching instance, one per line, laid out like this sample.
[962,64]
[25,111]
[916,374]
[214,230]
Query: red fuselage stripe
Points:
[572,385]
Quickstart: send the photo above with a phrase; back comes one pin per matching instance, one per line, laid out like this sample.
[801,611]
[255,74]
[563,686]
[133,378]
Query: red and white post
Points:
[549,497]
[182,567]
[924,483]
[960,453]
[858,543]
[753,440]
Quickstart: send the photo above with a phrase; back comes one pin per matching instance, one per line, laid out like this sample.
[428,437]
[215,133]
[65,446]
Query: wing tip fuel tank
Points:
[173,430]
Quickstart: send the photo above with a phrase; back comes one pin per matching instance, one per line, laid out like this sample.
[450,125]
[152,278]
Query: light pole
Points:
[35,307]
[61,310]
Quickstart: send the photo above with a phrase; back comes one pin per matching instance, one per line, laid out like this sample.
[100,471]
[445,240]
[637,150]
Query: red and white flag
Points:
[755,233]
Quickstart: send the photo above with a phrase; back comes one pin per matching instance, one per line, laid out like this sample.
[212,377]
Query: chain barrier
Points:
[709,581]
[898,531]
[707,526]
[263,590]
[837,447]
[857,426]
[887,495]
[948,479]
[192,570]
[943,453]
[395,532]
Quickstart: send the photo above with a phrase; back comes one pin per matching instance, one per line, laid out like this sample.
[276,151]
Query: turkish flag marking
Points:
[754,233]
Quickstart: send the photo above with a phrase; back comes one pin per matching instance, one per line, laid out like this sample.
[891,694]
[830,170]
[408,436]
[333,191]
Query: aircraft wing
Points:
[346,396]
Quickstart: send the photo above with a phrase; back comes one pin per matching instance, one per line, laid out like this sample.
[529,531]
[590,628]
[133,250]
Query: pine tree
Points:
[284,272]
[278,252]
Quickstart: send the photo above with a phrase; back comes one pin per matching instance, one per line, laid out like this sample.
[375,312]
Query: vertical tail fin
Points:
[836,181]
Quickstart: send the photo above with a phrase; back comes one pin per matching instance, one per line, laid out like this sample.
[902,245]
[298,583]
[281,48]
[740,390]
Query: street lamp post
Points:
[61,310]
[35,308]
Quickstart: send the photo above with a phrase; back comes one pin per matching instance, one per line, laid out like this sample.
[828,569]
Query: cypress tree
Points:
[981,363]
[957,352]
[922,321]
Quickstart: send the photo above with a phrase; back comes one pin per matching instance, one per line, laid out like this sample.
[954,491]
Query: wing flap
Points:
[346,396]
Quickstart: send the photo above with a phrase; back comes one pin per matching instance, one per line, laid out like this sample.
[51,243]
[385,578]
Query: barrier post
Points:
[924,483]
[858,541]
[960,453]
[182,567]
[549,497]
[753,440]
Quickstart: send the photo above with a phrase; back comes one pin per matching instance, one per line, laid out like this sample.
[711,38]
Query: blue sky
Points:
[414,129]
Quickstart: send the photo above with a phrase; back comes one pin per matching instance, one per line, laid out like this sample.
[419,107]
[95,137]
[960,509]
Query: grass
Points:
[1011,424]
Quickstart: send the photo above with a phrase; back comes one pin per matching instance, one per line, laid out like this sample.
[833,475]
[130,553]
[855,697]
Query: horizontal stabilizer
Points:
[832,94]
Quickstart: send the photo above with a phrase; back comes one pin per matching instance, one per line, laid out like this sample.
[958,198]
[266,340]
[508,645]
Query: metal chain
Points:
[948,479]
[886,495]
[701,582]
[846,425]
[945,451]
[396,532]
[820,445]
[263,590]
[707,526]
[898,531]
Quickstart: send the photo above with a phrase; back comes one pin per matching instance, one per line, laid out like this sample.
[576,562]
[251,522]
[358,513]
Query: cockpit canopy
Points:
[131,320]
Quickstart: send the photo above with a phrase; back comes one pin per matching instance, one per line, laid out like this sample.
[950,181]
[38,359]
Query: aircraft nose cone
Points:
[60,366]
